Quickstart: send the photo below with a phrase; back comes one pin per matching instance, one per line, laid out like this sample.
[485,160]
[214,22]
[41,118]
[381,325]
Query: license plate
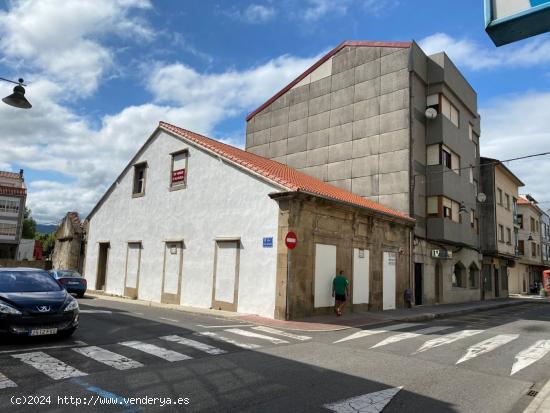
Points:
[42,331]
[73,283]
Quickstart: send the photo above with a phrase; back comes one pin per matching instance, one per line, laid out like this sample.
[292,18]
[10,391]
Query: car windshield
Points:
[27,282]
[67,273]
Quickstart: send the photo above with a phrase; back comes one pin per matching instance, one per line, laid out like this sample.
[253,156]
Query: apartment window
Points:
[520,221]
[446,158]
[432,208]
[471,132]
[501,233]
[140,171]
[9,205]
[533,249]
[508,236]
[471,174]
[499,196]
[441,155]
[507,198]
[449,110]
[473,276]
[475,150]
[521,247]
[533,225]
[536,226]
[447,212]
[442,207]
[458,275]
[8,230]
[472,217]
[178,171]
[475,187]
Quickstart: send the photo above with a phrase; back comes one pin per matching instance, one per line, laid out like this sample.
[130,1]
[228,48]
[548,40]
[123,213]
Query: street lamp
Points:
[17,98]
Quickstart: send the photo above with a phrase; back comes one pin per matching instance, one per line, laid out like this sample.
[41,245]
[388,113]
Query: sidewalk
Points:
[373,318]
[541,403]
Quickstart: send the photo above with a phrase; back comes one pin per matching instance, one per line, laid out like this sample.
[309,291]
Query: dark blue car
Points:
[32,303]
[71,280]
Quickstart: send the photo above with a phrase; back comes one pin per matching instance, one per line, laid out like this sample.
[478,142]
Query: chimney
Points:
[21,174]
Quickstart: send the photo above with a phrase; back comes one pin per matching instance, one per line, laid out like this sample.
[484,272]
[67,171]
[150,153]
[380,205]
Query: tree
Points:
[29,225]
[47,241]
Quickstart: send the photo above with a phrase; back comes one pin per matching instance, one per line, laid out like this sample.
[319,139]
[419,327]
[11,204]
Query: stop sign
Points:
[291,240]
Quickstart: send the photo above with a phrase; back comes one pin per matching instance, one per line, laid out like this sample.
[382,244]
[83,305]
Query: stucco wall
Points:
[219,201]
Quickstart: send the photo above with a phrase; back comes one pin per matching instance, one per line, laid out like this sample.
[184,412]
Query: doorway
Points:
[437,283]
[171,279]
[102,261]
[226,275]
[131,279]
[497,286]
[418,281]
[389,280]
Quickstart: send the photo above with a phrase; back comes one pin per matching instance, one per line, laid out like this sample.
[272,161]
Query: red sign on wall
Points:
[178,176]
[291,240]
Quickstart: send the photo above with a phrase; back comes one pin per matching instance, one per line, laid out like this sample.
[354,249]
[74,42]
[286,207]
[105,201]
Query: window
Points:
[475,150]
[8,230]
[508,236]
[471,174]
[139,179]
[458,275]
[432,206]
[449,110]
[536,226]
[500,233]
[446,158]
[520,221]
[178,174]
[521,247]
[507,198]
[533,225]
[533,249]
[442,207]
[475,188]
[473,276]
[9,205]
[472,217]
[441,155]
[471,132]
[499,196]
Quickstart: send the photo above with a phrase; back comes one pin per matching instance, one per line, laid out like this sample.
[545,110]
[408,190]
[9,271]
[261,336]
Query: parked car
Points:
[32,303]
[73,282]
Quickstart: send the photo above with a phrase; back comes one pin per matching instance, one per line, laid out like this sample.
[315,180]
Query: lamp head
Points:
[17,98]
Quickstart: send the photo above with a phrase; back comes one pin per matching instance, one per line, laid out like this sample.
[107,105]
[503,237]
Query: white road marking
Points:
[109,358]
[195,344]
[226,326]
[49,365]
[366,333]
[169,319]
[5,382]
[247,333]
[96,312]
[163,353]
[446,339]
[366,403]
[216,336]
[530,355]
[281,333]
[405,336]
[487,346]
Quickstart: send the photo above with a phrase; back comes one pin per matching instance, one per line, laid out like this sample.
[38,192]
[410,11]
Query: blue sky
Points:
[102,73]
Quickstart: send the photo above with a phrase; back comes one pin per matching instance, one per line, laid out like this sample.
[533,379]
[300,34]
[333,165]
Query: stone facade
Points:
[68,253]
[316,221]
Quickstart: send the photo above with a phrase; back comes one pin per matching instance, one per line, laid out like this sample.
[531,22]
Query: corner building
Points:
[357,119]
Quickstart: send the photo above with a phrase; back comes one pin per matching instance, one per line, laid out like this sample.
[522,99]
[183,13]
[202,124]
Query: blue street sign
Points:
[268,242]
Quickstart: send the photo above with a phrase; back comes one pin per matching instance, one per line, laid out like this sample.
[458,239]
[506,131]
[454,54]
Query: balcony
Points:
[445,230]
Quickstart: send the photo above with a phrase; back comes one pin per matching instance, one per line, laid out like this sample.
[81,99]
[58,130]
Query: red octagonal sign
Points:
[291,240]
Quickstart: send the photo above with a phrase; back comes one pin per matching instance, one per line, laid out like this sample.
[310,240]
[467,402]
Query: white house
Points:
[195,222]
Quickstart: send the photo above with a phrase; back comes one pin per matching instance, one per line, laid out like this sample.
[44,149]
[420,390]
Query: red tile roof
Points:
[11,175]
[522,201]
[283,175]
[10,190]
[357,43]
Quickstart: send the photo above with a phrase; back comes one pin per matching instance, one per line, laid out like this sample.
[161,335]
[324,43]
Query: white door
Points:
[360,276]
[226,275]
[388,285]
[171,285]
[132,269]
[325,270]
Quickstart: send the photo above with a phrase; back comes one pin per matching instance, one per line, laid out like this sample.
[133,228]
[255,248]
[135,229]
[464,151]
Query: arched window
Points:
[458,275]
[473,276]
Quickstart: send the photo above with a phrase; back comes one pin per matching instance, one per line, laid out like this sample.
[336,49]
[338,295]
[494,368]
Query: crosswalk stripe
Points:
[5,382]
[109,358]
[530,355]
[216,336]
[163,353]
[487,346]
[281,333]
[405,336]
[247,333]
[365,333]
[194,344]
[446,339]
[49,365]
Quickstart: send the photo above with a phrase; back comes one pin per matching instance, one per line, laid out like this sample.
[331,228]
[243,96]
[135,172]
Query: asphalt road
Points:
[209,364]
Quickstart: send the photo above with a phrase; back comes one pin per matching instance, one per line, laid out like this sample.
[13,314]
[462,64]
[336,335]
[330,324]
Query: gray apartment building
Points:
[13,195]
[545,238]
[393,125]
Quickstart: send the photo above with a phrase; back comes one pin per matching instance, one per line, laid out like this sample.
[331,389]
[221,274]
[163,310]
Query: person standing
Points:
[340,291]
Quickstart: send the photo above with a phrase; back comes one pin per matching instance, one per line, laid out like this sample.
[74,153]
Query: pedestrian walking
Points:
[340,291]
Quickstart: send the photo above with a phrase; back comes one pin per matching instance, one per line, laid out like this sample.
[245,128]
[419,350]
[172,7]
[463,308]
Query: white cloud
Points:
[514,126]
[467,53]
[379,7]
[317,9]
[63,41]
[253,13]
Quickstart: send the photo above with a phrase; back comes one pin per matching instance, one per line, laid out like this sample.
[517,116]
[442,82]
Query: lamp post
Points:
[17,98]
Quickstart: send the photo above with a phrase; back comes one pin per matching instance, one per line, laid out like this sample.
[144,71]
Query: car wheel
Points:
[80,295]
[67,333]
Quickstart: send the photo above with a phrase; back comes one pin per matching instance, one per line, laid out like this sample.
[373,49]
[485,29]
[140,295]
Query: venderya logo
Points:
[43,308]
